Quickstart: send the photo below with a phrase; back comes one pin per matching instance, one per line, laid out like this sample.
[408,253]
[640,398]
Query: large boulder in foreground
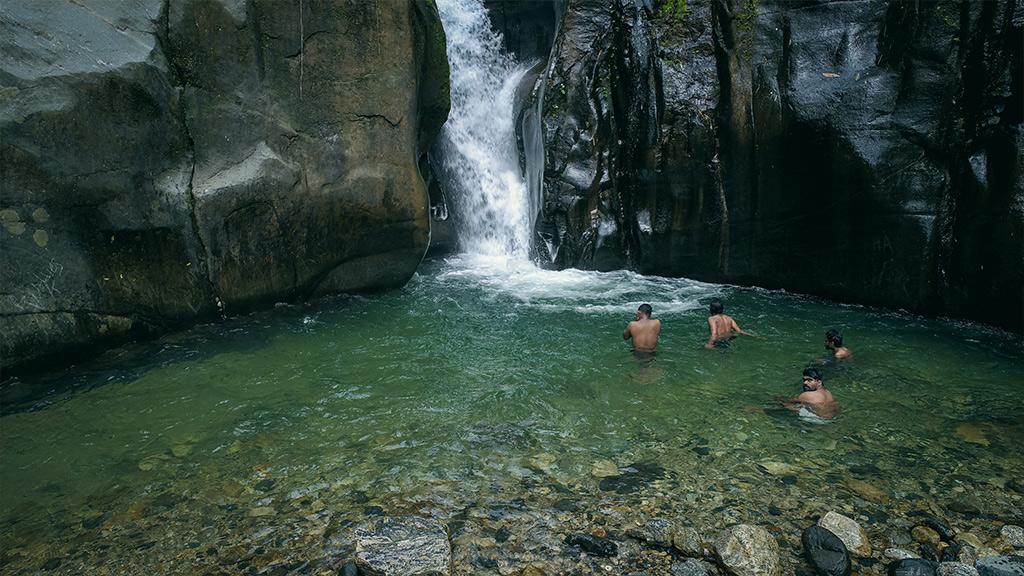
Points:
[164,160]
[403,546]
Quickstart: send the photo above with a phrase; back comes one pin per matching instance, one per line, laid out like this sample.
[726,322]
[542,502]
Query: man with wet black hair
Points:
[722,327]
[815,401]
[834,344]
[644,330]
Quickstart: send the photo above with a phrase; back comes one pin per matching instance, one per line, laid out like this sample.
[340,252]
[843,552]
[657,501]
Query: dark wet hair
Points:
[812,373]
[834,336]
[646,310]
[716,307]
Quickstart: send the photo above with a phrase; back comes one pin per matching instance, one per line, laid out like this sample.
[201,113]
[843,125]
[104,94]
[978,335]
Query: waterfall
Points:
[479,157]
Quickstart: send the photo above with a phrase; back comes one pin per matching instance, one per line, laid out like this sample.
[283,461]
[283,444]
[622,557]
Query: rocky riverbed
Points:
[619,518]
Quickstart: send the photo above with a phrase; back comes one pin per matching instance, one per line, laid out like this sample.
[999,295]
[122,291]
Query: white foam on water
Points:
[583,291]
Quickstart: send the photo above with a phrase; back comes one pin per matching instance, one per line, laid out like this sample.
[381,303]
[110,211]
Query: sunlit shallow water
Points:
[488,395]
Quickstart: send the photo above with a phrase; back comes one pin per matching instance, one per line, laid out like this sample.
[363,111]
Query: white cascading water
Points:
[490,196]
[480,161]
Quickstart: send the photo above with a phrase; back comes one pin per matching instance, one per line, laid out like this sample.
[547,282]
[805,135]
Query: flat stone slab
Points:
[403,546]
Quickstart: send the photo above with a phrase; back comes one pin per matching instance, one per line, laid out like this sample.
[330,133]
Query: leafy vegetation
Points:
[675,9]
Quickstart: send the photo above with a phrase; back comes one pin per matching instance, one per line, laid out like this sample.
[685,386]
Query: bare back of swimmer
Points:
[644,330]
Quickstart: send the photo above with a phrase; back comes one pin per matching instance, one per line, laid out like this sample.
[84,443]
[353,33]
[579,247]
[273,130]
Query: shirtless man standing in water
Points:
[815,399]
[722,327]
[644,330]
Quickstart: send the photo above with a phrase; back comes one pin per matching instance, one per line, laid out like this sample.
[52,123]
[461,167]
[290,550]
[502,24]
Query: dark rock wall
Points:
[163,160]
[868,151]
[527,26]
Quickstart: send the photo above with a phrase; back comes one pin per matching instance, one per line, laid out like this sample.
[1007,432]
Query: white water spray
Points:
[480,159]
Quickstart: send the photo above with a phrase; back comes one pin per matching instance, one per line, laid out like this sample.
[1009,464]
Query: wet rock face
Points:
[527,26]
[864,151]
[207,154]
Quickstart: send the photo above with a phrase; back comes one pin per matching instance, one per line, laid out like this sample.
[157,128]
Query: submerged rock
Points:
[403,546]
[970,539]
[747,550]
[592,545]
[849,531]
[181,450]
[688,541]
[925,535]
[689,567]
[955,569]
[867,491]
[972,433]
[632,478]
[1001,566]
[776,468]
[604,469]
[657,532]
[825,551]
[913,567]
[899,554]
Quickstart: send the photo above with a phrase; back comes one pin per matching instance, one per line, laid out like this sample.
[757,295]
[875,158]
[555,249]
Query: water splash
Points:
[480,161]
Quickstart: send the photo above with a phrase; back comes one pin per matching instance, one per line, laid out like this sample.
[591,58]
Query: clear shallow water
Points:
[490,394]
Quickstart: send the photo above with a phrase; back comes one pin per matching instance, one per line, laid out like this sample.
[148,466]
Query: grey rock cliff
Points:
[162,160]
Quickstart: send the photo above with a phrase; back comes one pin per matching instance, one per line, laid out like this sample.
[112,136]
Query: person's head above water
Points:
[812,379]
[644,310]
[716,307]
[833,338]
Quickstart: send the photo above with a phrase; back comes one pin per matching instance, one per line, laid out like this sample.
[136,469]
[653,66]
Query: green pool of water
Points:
[483,388]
